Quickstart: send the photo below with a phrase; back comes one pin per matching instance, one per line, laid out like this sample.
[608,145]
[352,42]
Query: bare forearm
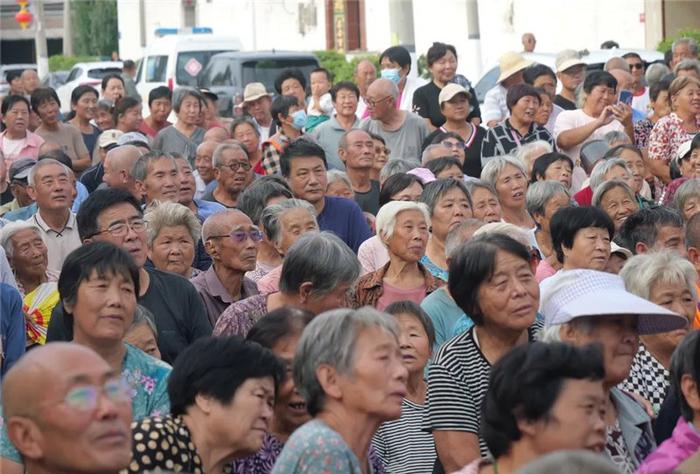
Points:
[575,136]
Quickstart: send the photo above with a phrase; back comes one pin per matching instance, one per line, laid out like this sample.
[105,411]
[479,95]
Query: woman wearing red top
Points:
[244,130]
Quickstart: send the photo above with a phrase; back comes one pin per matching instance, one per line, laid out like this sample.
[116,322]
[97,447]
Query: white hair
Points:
[524,152]
[511,230]
[642,271]
[602,168]
[170,214]
[386,217]
[495,166]
[31,179]
[10,229]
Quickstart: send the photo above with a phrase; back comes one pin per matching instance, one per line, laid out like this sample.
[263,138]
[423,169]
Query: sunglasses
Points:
[637,66]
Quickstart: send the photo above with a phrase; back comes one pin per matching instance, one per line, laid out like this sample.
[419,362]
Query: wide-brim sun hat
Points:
[511,63]
[614,248]
[578,293]
[682,150]
[567,59]
[254,91]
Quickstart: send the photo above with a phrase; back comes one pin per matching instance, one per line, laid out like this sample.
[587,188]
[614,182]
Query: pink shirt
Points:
[29,149]
[270,282]
[544,270]
[392,294]
[372,254]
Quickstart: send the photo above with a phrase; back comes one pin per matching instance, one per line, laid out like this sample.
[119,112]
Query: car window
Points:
[100,72]
[218,74]
[190,64]
[487,82]
[155,68]
[74,73]
[266,70]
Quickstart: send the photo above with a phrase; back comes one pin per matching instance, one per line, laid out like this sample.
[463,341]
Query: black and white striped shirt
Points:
[401,444]
[504,139]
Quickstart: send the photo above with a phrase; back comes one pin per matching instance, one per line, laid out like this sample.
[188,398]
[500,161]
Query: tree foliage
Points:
[339,66]
[95,30]
[665,45]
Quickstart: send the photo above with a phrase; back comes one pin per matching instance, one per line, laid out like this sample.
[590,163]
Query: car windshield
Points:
[190,64]
[99,73]
[266,70]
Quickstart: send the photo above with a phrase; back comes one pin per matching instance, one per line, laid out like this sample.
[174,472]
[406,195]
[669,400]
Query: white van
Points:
[176,60]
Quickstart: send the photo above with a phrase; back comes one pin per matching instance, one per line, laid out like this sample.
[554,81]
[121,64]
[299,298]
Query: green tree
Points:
[665,45]
[339,66]
[95,30]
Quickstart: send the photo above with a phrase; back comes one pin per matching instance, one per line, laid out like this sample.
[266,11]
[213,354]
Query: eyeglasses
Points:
[452,145]
[85,398]
[637,66]
[236,165]
[120,229]
[373,103]
[239,236]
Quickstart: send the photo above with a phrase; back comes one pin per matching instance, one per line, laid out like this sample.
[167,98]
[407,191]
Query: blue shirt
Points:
[12,330]
[434,270]
[207,208]
[443,312]
[345,219]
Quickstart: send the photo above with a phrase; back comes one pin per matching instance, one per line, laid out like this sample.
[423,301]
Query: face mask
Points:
[299,119]
[392,74]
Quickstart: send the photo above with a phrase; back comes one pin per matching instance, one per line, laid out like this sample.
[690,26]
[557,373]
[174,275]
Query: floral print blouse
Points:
[666,136]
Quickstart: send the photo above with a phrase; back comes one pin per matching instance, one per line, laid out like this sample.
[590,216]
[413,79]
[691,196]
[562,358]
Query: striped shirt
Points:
[401,444]
[457,382]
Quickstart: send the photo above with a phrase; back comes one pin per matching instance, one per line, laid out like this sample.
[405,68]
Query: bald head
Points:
[383,88]
[216,134]
[616,63]
[207,147]
[529,42]
[123,157]
[625,80]
[223,223]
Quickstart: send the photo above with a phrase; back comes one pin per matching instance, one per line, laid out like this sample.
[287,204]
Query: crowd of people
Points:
[367,276]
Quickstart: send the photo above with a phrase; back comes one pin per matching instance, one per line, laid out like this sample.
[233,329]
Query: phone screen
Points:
[626,97]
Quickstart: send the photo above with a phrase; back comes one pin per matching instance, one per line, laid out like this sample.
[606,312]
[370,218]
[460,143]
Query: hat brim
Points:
[256,97]
[514,70]
[652,318]
[447,99]
[569,63]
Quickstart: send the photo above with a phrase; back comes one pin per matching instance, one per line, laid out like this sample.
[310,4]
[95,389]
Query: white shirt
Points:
[570,119]
[13,147]
[641,102]
[412,83]
[495,107]
[59,244]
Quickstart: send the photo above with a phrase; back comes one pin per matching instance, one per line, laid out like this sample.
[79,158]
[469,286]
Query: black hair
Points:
[615,151]
[568,221]
[212,366]
[440,136]
[517,92]
[110,76]
[290,73]
[253,200]
[13,74]
[329,76]
[58,155]
[438,165]
[98,201]
[609,44]
[160,92]
[599,78]
[275,325]
[398,55]
[660,86]
[281,106]
[438,50]
[525,385]
[103,258]
[128,64]
[409,307]
[632,55]
[300,148]
[395,184]
[344,85]
[686,361]
[473,264]
[543,162]
[377,137]
[80,91]
[122,105]
[9,101]
[542,91]
[531,73]
[643,226]
[43,94]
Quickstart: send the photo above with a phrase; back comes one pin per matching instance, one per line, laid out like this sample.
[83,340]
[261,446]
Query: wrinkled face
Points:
[190,110]
[636,164]
[670,237]
[486,205]
[345,103]
[376,385]
[161,181]
[53,187]
[30,256]
[450,210]
[526,109]
[17,118]
[687,100]
[680,52]
[123,225]
[619,205]
[340,188]
[114,90]
[410,236]
[188,184]
[307,178]
[173,250]
[141,336]
[294,88]
[455,147]
[86,107]
[104,119]
[359,153]
[555,203]
[413,342]
[290,407]
[379,103]
[366,74]
[511,186]
[235,247]
[293,224]
[590,249]
[131,119]
[571,78]
[690,167]
[509,299]
[545,110]
[259,108]
[411,193]
[457,108]
[691,207]
[246,134]
[559,171]
[234,172]
[445,68]
[104,307]
[203,163]
[677,297]
[160,109]
[48,111]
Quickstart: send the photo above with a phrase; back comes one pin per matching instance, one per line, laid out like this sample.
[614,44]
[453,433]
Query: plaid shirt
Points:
[272,152]
[502,139]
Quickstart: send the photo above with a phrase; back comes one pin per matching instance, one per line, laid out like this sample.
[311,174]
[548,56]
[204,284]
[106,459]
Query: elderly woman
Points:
[336,370]
[660,107]
[339,184]
[172,233]
[555,386]
[317,274]
[15,112]
[221,410]
[143,333]
[687,162]
[553,167]
[687,199]
[507,175]
[581,237]
[184,136]
[485,205]
[446,167]
[28,257]
[604,170]
[245,131]
[529,152]
[632,155]
[544,199]
[403,228]
[496,287]
[112,87]
[666,279]
[617,200]
[676,128]
[520,128]
[450,204]
[584,307]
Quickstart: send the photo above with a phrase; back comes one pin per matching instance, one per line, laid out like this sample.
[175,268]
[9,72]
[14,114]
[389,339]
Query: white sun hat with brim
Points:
[511,63]
[578,293]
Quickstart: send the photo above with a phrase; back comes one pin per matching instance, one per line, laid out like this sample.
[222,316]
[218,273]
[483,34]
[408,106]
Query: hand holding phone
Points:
[625,98]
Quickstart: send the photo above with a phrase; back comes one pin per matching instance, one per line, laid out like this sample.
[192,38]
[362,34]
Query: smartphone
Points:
[626,97]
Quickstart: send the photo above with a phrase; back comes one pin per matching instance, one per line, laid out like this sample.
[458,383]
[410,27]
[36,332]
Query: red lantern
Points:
[24,18]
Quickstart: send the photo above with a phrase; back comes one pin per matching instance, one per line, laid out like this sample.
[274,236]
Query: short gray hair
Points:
[691,42]
[170,214]
[322,259]
[435,190]
[10,229]
[685,191]
[330,339]
[688,65]
[271,216]
[426,155]
[523,153]
[603,189]
[396,166]
[140,170]
[516,233]
[334,176]
[656,72]
[616,136]
[665,267]
[143,315]
[539,193]
[31,178]
[216,156]
[183,92]
[576,462]
[386,217]
[602,168]
[456,236]
[495,166]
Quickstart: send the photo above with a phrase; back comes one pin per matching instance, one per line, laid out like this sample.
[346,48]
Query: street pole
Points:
[67,29]
[42,55]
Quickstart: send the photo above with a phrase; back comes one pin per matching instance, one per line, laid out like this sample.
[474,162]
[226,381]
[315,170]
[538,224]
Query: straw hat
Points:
[511,63]
[253,91]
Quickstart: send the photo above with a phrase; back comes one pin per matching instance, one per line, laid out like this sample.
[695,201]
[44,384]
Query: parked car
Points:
[55,79]
[595,60]
[228,73]
[5,68]
[178,59]
[86,74]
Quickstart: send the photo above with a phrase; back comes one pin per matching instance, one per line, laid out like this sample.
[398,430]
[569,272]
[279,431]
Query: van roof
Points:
[193,42]
[265,54]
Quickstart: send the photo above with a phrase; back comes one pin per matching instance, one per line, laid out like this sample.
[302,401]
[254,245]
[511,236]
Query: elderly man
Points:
[688,67]
[284,223]
[403,132]
[115,216]
[364,75]
[233,174]
[156,177]
[256,103]
[495,109]
[683,48]
[356,150]
[304,168]
[653,229]
[528,40]
[52,187]
[201,208]
[17,177]
[571,71]
[640,99]
[204,171]
[67,410]
[232,241]
[30,81]
[118,167]
[345,96]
